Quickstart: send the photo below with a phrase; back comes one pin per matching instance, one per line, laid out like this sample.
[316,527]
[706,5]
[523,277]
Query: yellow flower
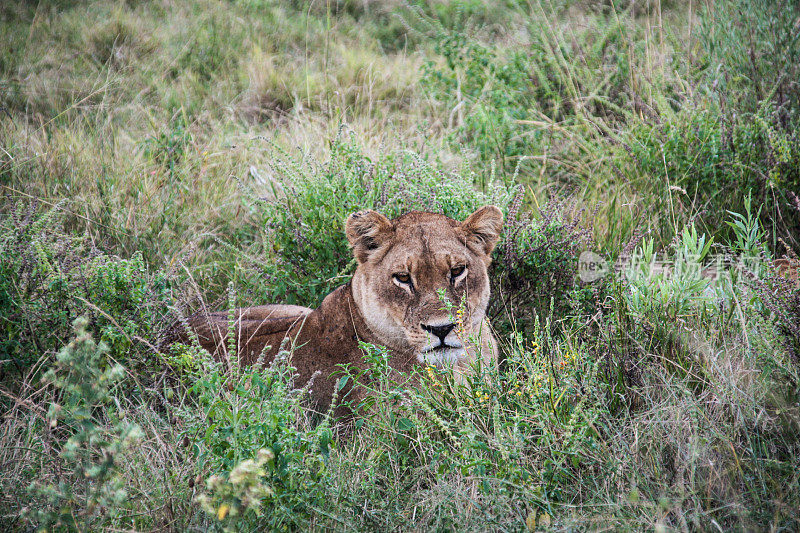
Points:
[222,512]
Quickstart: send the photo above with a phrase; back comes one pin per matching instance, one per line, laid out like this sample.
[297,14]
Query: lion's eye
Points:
[457,271]
[402,277]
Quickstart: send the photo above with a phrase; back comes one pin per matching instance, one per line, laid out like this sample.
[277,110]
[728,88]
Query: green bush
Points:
[714,162]
[90,491]
[534,273]
[522,435]
[234,415]
[49,277]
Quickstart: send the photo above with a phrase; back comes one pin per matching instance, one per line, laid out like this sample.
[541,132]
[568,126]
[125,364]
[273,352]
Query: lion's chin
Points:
[441,356]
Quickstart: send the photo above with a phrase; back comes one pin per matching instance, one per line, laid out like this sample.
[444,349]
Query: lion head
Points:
[421,283]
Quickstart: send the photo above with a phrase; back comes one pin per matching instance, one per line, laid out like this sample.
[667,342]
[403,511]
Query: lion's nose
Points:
[439,331]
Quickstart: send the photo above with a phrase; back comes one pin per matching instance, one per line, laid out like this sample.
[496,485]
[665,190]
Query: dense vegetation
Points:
[158,157]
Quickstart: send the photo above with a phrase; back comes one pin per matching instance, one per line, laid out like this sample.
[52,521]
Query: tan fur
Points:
[788,268]
[376,307]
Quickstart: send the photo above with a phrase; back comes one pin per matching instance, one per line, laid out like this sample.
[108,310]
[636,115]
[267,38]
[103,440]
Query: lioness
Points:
[406,268]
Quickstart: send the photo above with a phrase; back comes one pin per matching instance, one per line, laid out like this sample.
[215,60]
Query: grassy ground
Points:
[159,156]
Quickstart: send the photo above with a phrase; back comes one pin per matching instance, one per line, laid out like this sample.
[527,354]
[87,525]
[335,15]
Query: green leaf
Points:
[404,424]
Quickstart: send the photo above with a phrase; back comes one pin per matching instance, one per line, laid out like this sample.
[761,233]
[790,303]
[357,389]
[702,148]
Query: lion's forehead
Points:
[415,260]
[416,219]
[431,227]
[427,245]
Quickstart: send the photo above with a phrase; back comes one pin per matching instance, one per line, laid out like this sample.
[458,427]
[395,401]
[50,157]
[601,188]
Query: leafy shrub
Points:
[548,398]
[535,267]
[715,162]
[673,288]
[232,417]
[511,444]
[781,298]
[130,301]
[677,342]
[88,447]
[242,491]
[777,292]
[49,277]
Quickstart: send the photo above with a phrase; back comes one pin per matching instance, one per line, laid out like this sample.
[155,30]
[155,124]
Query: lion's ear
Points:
[367,231]
[483,228]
